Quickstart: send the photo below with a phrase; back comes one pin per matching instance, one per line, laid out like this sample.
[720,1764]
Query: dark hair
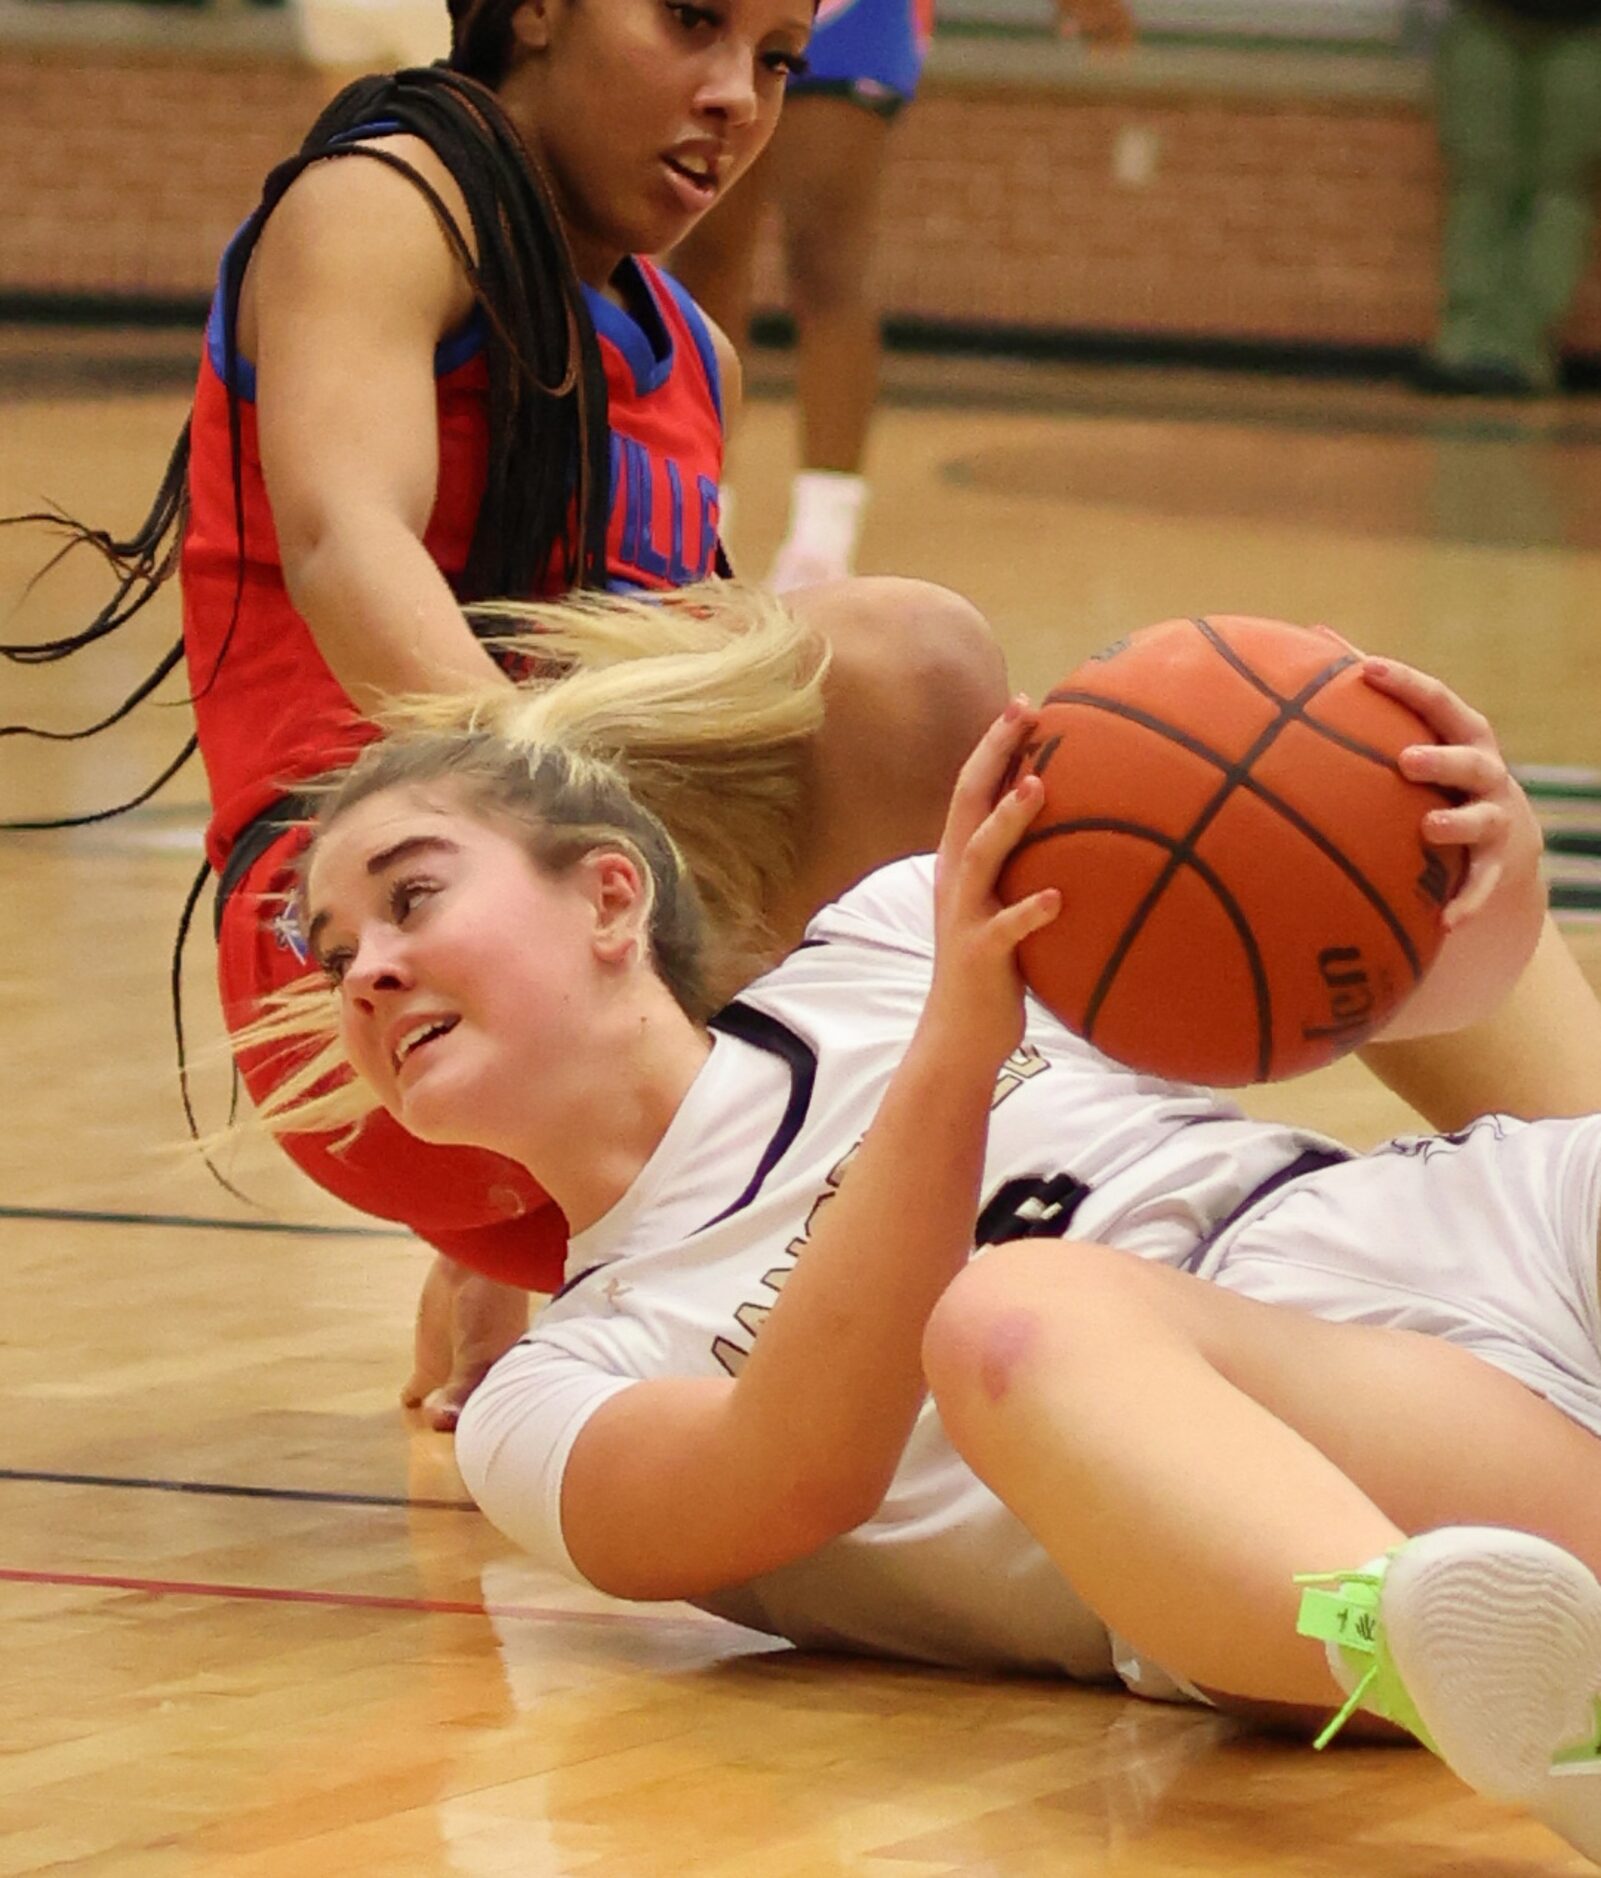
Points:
[481,38]
[548,441]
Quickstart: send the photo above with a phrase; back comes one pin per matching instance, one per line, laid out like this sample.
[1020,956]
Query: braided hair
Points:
[548,437]
[548,441]
[481,38]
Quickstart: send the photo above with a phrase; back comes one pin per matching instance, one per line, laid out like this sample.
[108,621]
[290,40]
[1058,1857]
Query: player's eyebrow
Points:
[403,850]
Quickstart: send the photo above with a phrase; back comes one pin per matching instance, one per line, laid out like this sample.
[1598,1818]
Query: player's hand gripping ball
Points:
[1246,892]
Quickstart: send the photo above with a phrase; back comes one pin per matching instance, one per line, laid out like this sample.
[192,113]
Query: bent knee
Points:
[915,680]
[1001,1317]
[918,654]
[977,1336]
[875,617]
[1023,1310]
[933,631]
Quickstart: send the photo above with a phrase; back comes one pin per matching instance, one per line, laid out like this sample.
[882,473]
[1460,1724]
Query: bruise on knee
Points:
[975,1346]
[1007,1340]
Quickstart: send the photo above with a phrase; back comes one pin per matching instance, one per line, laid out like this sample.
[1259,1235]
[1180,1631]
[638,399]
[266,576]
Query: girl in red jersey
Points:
[439,374]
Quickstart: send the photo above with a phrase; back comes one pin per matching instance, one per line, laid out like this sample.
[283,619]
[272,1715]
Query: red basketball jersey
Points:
[269,711]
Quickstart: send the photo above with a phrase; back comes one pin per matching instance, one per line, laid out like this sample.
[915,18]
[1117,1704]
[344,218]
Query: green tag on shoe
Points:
[1347,1617]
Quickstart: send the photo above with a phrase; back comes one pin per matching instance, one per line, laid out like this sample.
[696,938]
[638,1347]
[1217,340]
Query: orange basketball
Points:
[1246,892]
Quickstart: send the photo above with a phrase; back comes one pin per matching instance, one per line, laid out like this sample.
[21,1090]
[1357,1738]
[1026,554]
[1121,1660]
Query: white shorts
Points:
[1486,1239]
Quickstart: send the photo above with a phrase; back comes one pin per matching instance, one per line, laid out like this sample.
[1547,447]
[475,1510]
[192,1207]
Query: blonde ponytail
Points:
[673,728]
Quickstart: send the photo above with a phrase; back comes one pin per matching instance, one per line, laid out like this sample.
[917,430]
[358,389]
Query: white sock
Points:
[825,521]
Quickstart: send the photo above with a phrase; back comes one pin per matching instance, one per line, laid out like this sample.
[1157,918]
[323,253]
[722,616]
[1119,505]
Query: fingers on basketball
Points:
[1253,892]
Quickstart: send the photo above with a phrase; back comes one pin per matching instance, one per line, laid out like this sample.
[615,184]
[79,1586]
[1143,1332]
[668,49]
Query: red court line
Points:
[350,1600]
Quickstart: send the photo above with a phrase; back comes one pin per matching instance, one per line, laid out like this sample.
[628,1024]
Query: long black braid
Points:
[548,439]
[548,442]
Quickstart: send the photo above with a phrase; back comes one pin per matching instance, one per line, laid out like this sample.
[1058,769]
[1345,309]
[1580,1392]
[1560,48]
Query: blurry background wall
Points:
[1260,171]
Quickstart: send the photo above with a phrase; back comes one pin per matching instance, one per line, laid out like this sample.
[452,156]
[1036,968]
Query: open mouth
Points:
[695,173]
[420,1038]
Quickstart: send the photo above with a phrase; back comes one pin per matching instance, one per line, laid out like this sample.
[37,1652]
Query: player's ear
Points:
[617,892]
[533,23]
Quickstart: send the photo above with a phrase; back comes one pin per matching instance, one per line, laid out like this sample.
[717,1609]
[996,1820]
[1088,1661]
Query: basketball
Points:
[1246,892]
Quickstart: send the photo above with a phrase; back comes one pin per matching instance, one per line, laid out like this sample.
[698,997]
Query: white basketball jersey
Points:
[677,1279]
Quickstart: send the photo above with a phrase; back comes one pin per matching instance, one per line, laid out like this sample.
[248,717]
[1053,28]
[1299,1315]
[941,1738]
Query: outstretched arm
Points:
[1538,1053]
[677,1487]
[349,292]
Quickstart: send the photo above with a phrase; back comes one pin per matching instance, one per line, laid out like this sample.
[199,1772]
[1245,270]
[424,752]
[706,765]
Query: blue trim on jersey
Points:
[700,332]
[452,352]
[646,344]
[216,346]
[455,349]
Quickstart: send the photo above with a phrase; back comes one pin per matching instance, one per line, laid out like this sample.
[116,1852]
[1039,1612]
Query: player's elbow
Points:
[694,1551]
[818,1506]
[316,552]
[323,549]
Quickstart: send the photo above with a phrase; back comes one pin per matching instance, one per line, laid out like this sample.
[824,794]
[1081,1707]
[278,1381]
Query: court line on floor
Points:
[1560,781]
[345,1600]
[85,1216]
[320,1496]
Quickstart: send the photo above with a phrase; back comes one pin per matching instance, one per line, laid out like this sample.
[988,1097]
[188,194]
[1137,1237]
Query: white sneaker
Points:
[1485,1643]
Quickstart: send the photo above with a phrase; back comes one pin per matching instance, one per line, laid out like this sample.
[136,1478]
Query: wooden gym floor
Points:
[250,1626]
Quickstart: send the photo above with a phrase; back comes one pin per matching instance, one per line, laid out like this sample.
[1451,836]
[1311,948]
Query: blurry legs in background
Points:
[823,173]
[829,188]
[1519,113]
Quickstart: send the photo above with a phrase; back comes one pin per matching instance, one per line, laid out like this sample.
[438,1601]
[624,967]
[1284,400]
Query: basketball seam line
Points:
[1353,745]
[1290,710]
[1297,707]
[1230,906]
[1183,854]
[1267,796]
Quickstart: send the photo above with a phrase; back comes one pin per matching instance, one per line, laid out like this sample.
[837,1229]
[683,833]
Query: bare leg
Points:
[1183,1452]
[915,681]
[465,1324]
[827,172]
[828,167]
[823,168]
